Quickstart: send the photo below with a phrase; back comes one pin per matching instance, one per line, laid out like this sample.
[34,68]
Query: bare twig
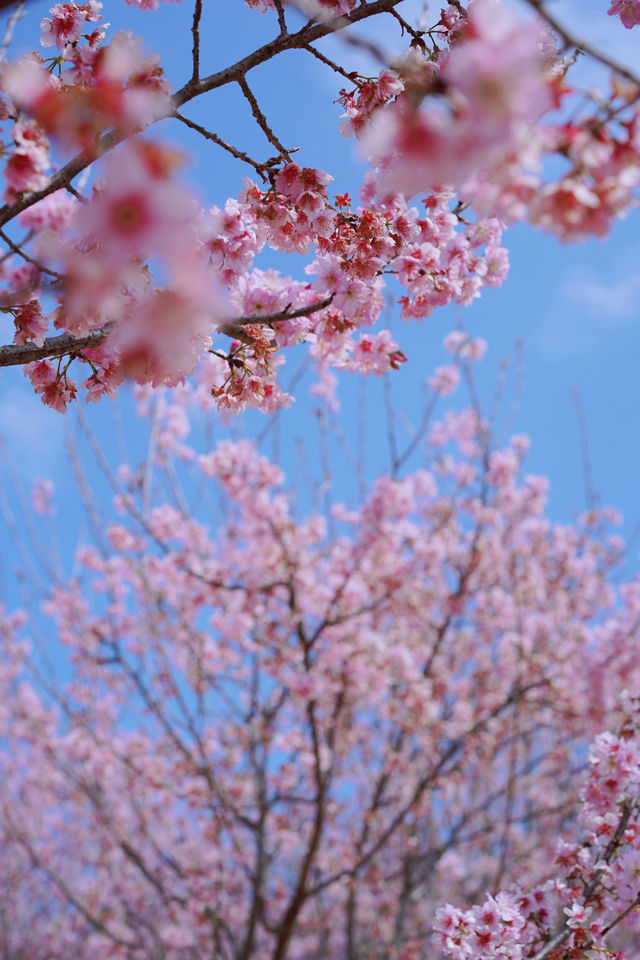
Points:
[416,35]
[261,120]
[195,30]
[591,498]
[352,76]
[282,23]
[25,256]
[234,151]
[418,435]
[17,14]
[571,40]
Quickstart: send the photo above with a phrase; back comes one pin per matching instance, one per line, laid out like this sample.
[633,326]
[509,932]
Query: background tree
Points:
[272,741]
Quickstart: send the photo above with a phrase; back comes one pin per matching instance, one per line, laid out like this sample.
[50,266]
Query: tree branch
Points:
[195,30]
[234,151]
[193,88]
[572,41]
[13,354]
[235,328]
[261,120]
[15,248]
[591,889]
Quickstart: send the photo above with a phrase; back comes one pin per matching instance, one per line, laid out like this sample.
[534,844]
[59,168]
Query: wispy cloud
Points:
[32,433]
[586,308]
[603,299]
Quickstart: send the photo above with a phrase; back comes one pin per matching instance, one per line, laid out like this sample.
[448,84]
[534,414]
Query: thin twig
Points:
[391,429]
[418,435]
[572,41]
[416,35]
[195,30]
[234,151]
[590,495]
[17,15]
[282,23]
[261,120]
[352,77]
[25,256]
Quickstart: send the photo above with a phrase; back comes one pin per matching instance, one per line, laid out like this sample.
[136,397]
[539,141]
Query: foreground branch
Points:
[235,328]
[193,88]
[13,354]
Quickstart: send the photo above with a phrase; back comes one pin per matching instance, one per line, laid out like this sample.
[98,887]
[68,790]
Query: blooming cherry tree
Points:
[273,741]
[400,730]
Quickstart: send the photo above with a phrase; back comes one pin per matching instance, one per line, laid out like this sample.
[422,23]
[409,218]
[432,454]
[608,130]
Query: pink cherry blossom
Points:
[627,10]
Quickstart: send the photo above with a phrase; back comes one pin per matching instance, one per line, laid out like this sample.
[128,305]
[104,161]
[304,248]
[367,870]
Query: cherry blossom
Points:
[627,10]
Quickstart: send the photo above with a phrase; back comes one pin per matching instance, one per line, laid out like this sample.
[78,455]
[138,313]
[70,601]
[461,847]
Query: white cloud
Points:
[587,307]
[601,299]
[32,433]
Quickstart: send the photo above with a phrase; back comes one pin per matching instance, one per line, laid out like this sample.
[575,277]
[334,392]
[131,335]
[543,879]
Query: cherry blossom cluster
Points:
[368,95]
[467,118]
[158,332]
[139,281]
[627,10]
[596,886]
[92,256]
[436,256]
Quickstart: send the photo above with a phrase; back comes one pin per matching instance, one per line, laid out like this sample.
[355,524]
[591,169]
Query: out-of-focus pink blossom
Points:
[41,497]
[627,10]
[444,380]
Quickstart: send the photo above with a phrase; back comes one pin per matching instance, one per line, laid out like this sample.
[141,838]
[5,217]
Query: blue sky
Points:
[575,309]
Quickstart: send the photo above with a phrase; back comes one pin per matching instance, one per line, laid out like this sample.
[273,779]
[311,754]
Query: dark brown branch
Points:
[195,30]
[193,88]
[261,120]
[234,151]
[25,256]
[235,327]
[281,20]
[14,354]
[351,77]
